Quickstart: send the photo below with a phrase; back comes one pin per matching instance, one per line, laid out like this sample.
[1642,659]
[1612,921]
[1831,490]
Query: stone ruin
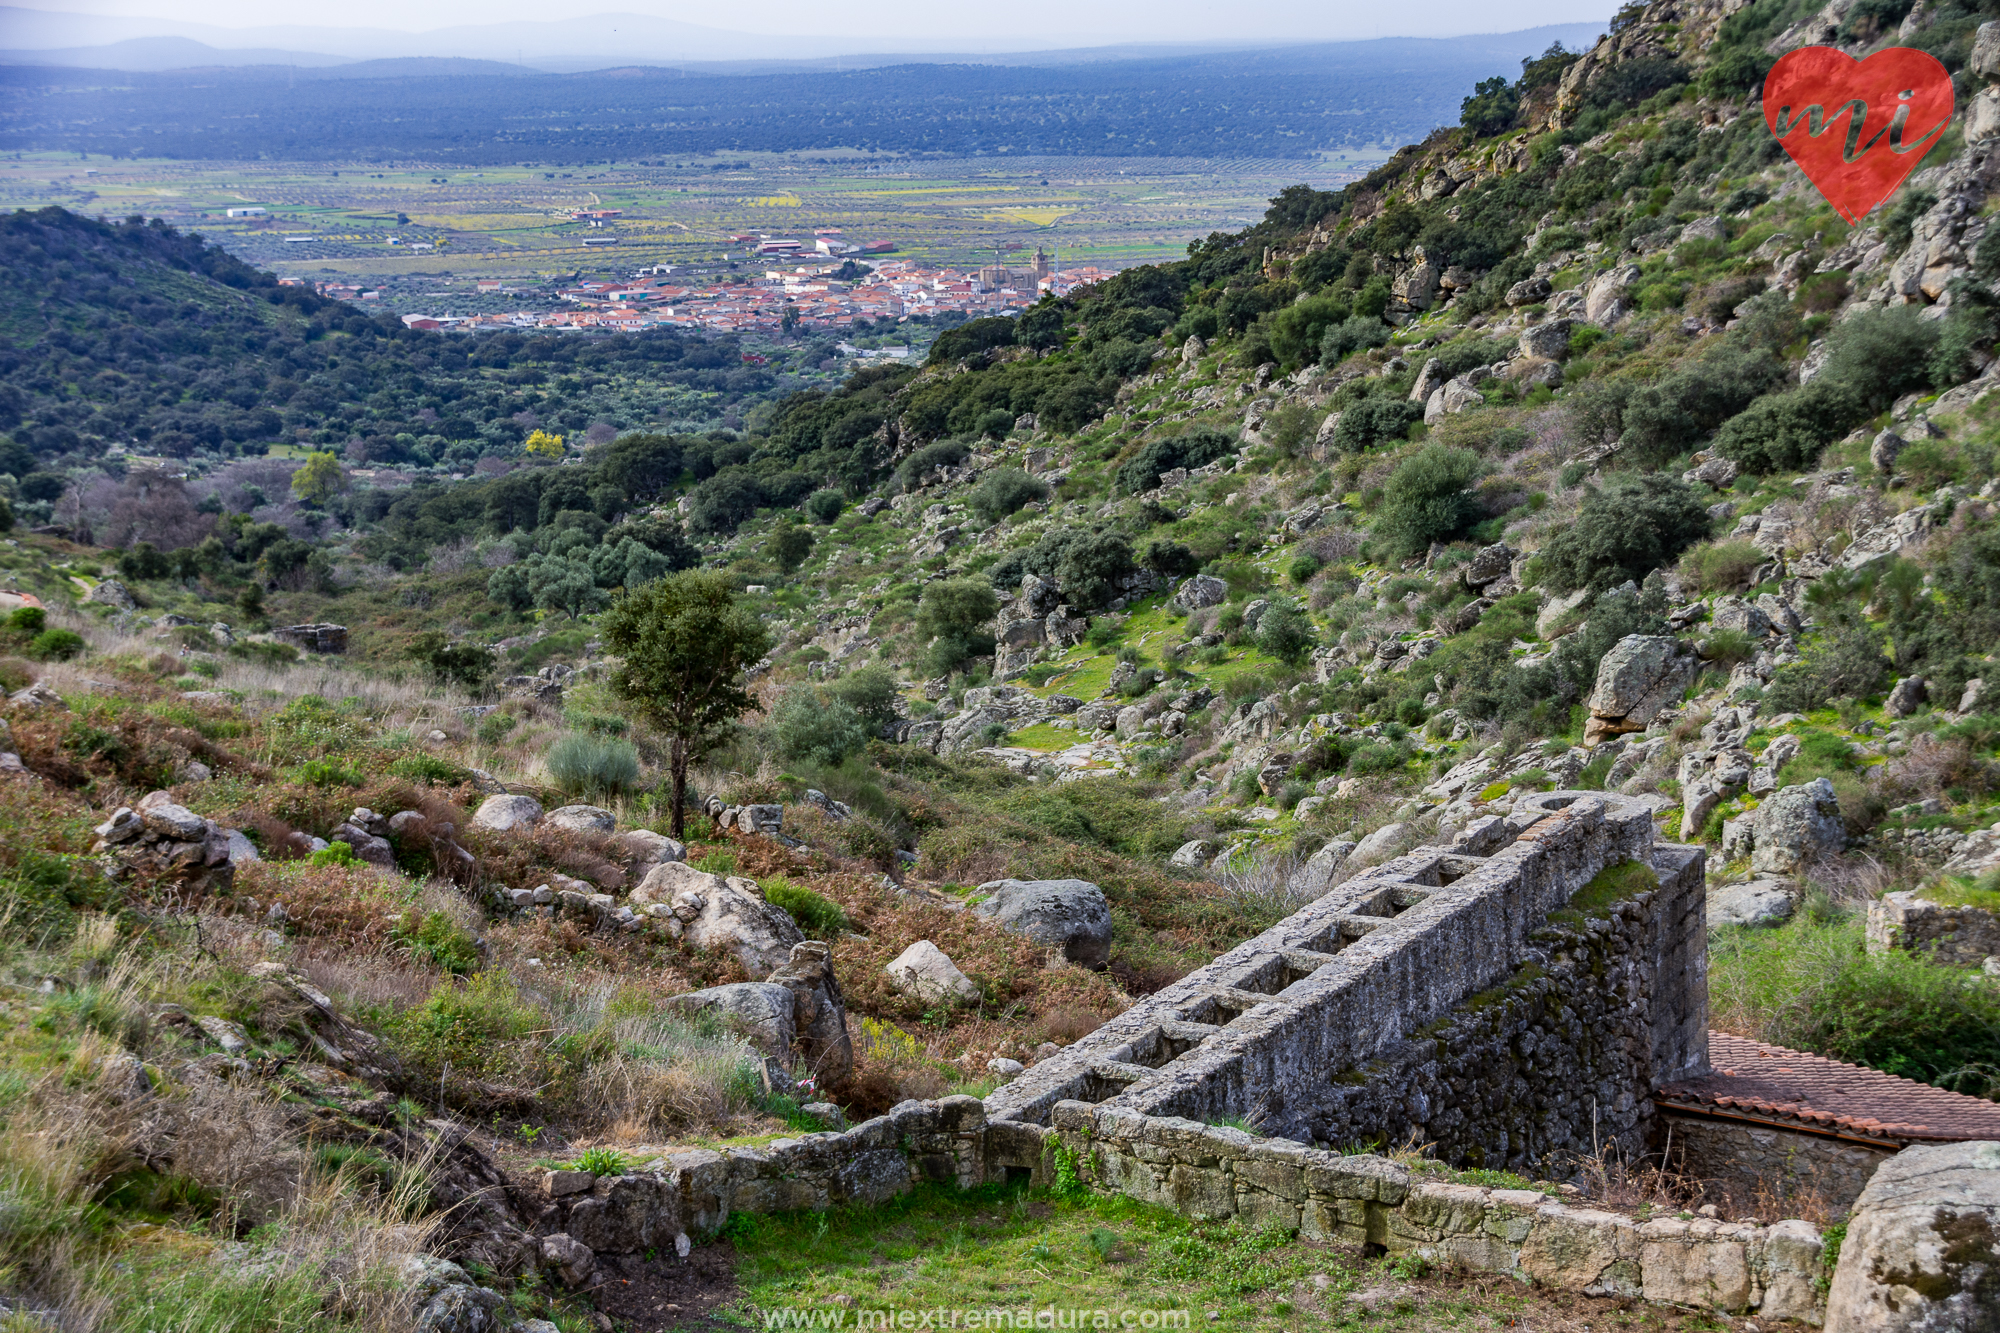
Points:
[1455,995]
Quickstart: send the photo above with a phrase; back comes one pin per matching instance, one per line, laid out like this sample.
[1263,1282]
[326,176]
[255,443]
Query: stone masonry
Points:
[1451,995]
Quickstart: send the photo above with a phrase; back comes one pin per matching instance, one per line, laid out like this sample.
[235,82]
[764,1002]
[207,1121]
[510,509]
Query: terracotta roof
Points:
[1756,1080]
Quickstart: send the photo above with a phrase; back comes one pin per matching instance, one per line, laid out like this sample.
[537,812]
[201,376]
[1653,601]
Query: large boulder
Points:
[647,848]
[1922,1250]
[1548,340]
[1795,826]
[1069,914]
[1380,845]
[1490,564]
[584,819]
[819,1012]
[1642,674]
[503,814]
[923,970]
[1763,902]
[1316,875]
[1610,295]
[759,1011]
[1200,591]
[714,913]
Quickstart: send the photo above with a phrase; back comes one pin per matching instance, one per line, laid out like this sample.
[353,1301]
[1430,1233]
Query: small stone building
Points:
[1769,1126]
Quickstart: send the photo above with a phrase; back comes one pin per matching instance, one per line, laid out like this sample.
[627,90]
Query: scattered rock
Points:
[112,593]
[582,818]
[1642,674]
[923,970]
[1070,914]
[1202,590]
[760,1011]
[1907,697]
[1763,902]
[1796,825]
[646,847]
[718,913]
[502,813]
[1923,1244]
[38,696]
[1191,855]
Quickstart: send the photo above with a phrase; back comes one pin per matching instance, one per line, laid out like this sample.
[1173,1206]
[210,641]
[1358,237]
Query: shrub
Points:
[1005,490]
[1427,499]
[584,763]
[953,615]
[328,773]
[1722,566]
[466,664]
[811,727]
[819,917]
[1192,449]
[1849,664]
[436,939]
[1374,421]
[1169,559]
[28,620]
[790,544]
[601,1161]
[1625,529]
[824,506]
[339,855]
[429,768]
[1286,633]
[870,692]
[467,1026]
[1361,331]
[1085,563]
[56,645]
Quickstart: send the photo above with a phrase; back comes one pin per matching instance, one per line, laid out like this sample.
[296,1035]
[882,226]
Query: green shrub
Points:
[56,645]
[1003,491]
[1428,498]
[467,1025]
[1352,335]
[436,939]
[1847,665]
[819,917]
[328,773]
[28,620]
[428,768]
[1626,529]
[602,1161]
[337,854]
[1192,449]
[264,654]
[583,763]
[1374,421]
[953,615]
[871,692]
[810,726]
[1286,633]
[824,506]
[1722,566]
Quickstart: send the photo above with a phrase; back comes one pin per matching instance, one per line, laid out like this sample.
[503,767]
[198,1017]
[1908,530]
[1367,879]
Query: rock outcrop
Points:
[712,912]
[1795,826]
[1069,914]
[1642,674]
[1922,1251]
[924,970]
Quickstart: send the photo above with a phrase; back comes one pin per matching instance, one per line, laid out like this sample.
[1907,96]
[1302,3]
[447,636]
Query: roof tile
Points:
[1774,1082]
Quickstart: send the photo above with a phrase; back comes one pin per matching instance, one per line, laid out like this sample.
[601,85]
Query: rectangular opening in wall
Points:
[1295,965]
[1105,1081]
[1170,1041]
[1389,901]
[1455,868]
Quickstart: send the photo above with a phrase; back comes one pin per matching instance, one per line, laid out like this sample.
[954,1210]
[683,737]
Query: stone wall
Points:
[588,1225]
[1308,1030]
[1218,1173]
[1966,936]
[1748,1159]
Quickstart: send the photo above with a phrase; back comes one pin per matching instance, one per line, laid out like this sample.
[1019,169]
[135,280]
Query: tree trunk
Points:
[677,765]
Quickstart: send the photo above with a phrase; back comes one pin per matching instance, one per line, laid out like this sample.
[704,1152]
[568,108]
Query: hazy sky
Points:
[1038,23]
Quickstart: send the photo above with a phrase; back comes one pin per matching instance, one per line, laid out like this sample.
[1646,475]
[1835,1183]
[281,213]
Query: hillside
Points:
[1582,447]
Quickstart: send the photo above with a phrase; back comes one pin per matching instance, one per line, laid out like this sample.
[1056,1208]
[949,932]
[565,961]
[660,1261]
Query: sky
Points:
[1018,24]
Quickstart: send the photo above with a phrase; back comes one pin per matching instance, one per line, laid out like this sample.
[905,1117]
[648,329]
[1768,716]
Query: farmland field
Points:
[515,224]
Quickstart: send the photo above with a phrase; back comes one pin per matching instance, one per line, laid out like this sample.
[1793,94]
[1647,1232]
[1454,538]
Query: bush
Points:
[1086,564]
[1427,498]
[810,727]
[870,692]
[1005,490]
[820,918]
[328,773]
[1361,331]
[1169,559]
[824,506]
[953,615]
[437,939]
[469,665]
[1849,664]
[1286,633]
[56,645]
[1723,566]
[1195,448]
[1626,529]
[428,768]
[584,763]
[29,620]
[1374,421]
[790,544]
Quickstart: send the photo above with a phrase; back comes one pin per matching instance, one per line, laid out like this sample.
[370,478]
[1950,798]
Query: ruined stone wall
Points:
[1753,1161]
[1963,936]
[1307,1031]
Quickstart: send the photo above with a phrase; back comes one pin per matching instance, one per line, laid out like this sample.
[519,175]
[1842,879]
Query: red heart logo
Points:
[1857,127]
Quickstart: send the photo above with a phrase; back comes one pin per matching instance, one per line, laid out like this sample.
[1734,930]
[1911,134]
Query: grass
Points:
[1042,736]
[1810,984]
[1001,1247]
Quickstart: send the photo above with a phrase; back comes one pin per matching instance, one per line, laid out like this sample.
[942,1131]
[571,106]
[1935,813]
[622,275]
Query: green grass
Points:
[1001,1247]
[1042,736]
[1614,884]
[1810,985]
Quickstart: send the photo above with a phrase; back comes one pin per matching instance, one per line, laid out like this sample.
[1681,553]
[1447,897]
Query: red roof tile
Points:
[1773,1083]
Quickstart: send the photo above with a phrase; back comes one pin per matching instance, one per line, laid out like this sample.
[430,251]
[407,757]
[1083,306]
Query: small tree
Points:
[685,643]
[466,664]
[790,544]
[953,614]
[1626,529]
[320,479]
[541,444]
[1427,499]
[1286,633]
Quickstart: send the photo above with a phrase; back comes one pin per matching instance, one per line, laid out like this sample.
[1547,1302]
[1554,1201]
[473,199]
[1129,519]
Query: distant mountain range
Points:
[144,45]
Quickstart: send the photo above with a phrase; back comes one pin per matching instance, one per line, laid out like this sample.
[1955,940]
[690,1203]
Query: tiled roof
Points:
[1773,1084]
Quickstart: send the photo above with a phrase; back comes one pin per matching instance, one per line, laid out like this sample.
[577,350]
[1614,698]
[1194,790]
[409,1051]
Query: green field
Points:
[513,224]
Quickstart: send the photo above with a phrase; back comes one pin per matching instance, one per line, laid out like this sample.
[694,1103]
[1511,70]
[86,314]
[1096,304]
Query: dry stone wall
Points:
[1337,1023]
[1750,1159]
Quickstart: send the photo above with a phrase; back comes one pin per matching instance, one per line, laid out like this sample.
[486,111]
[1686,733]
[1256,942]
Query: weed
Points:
[602,1162]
